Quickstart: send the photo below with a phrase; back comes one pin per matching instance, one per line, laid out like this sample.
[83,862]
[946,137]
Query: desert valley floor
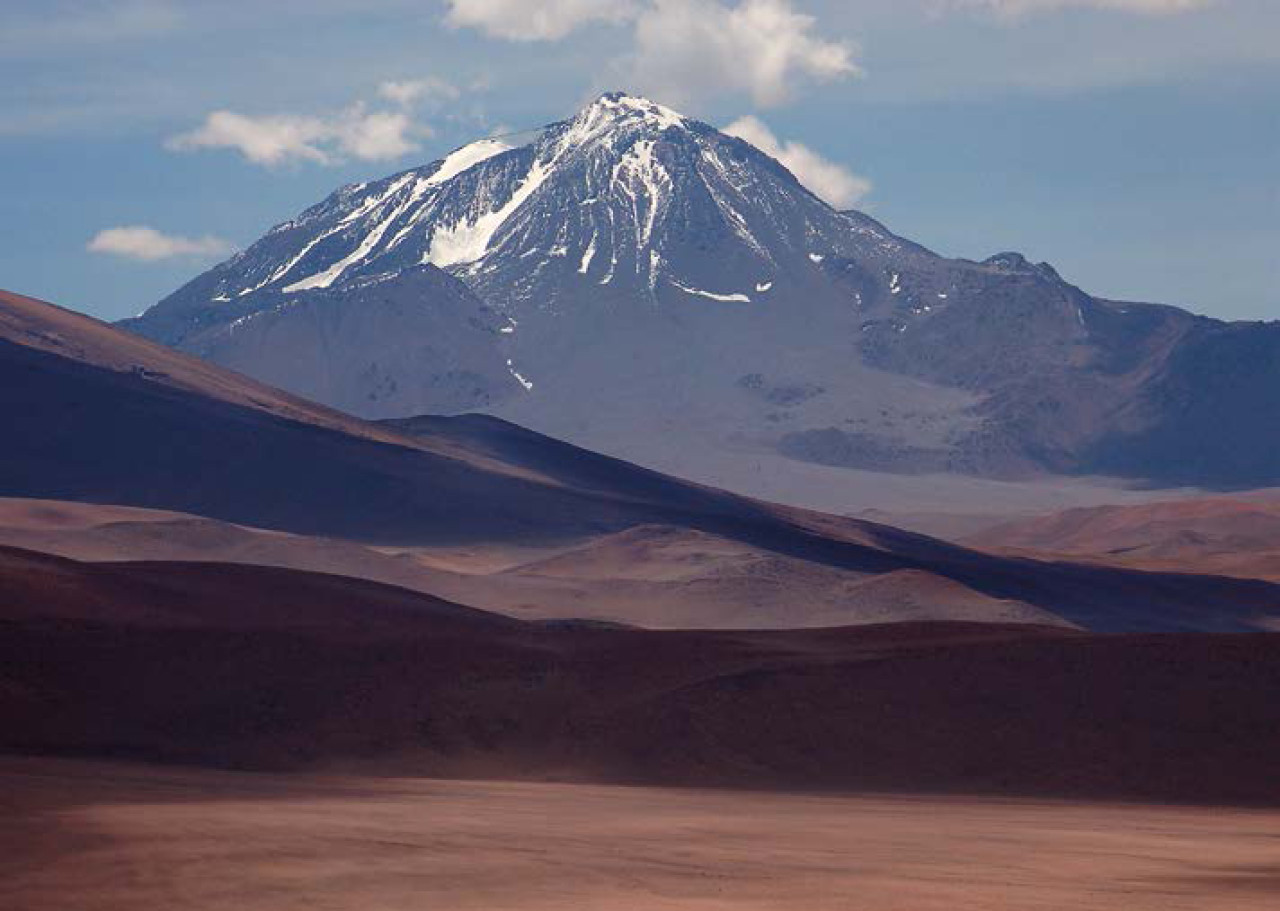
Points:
[99,837]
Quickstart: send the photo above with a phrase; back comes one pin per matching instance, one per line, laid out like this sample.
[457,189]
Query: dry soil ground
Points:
[92,837]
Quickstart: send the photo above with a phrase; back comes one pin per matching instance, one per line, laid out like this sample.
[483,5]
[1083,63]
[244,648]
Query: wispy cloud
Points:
[284,138]
[139,242]
[830,181]
[527,20]
[54,27]
[1025,7]
[409,92]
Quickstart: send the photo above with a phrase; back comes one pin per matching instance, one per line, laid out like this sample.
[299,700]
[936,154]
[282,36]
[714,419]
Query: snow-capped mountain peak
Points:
[627,203]
[617,108]
[627,195]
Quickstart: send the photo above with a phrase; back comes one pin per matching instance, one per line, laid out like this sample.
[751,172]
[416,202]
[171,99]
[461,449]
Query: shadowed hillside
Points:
[263,668]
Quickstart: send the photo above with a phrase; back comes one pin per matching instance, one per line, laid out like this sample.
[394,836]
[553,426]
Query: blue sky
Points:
[1133,143]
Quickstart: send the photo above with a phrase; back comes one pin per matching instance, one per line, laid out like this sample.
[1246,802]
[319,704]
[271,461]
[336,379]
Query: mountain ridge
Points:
[115,429]
[630,272]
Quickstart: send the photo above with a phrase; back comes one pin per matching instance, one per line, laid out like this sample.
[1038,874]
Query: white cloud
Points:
[262,140]
[411,91]
[832,182]
[1024,7]
[684,48]
[282,138]
[535,20]
[760,48]
[377,136]
[147,244]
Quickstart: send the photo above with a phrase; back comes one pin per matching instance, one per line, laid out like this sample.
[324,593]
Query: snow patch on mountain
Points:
[588,255]
[527,384]
[468,240]
[465,158]
[334,272]
[698,292]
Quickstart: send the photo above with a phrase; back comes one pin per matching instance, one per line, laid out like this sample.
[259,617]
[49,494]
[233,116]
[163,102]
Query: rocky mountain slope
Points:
[631,274]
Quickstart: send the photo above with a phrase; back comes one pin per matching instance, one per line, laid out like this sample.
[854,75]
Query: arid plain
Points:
[98,837]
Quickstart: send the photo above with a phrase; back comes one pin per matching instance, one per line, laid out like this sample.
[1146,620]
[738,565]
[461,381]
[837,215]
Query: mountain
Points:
[98,415]
[246,667]
[638,282]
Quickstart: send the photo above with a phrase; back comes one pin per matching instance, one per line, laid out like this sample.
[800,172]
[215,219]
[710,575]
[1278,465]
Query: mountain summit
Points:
[627,196]
[636,281]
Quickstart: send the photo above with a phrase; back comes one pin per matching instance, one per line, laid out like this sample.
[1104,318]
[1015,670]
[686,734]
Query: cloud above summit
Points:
[759,48]
[684,50]
[523,20]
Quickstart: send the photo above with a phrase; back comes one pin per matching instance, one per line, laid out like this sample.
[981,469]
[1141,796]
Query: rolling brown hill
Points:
[652,576]
[664,577]
[260,668]
[98,416]
[1230,536]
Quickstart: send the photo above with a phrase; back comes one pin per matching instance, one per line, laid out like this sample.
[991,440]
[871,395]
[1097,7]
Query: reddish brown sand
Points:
[108,838]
